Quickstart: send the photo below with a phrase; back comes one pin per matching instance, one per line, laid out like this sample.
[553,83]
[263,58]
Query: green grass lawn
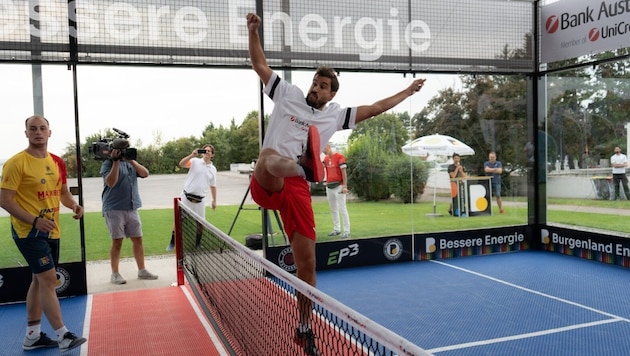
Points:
[368,219]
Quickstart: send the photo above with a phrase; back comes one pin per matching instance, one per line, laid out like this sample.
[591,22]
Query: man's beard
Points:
[313,103]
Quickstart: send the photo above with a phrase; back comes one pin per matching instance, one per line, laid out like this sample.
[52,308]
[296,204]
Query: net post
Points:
[179,247]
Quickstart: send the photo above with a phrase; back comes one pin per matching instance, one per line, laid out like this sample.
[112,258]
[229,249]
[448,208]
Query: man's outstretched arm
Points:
[379,107]
[256,53]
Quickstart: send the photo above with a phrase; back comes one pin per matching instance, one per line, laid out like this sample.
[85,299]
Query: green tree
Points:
[441,115]
[70,157]
[173,152]
[387,128]
[245,141]
[219,138]
[407,177]
[367,159]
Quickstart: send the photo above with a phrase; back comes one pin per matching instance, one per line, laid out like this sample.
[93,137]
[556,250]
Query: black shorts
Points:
[40,252]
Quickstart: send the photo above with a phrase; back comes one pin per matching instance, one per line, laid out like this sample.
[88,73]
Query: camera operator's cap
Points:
[120,143]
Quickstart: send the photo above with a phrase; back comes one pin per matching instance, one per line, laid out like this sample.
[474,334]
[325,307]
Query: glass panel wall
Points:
[587,123]
[397,184]
[29,89]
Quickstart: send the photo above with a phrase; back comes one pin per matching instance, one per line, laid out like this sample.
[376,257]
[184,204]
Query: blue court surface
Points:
[519,303]
[13,325]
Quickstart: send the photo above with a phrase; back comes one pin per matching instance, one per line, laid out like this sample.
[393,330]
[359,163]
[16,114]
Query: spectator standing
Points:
[337,190]
[619,162]
[201,179]
[455,170]
[494,168]
[33,186]
[121,201]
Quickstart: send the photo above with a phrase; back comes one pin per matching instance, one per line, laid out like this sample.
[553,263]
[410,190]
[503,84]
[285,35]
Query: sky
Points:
[158,104]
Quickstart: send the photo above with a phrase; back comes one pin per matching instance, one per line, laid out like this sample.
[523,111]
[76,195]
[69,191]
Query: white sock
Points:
[32,331]
[61,332]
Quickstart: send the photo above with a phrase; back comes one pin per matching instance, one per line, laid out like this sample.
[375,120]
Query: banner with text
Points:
[469,243]
[573,28]
[588,245]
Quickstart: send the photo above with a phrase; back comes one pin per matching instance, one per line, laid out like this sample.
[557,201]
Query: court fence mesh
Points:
[253,303]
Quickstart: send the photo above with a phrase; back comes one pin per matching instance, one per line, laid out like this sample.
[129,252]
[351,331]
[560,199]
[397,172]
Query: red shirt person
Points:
[337,190]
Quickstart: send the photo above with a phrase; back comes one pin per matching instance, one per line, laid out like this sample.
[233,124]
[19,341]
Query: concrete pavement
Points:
[157,192]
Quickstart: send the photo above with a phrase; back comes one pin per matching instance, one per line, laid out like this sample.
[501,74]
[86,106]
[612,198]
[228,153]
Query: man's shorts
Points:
[40,252]
[496,189]
[199,208]
[293,203]
[123,223]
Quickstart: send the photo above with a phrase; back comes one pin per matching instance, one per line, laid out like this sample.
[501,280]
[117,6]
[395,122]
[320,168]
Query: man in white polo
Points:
[619,162]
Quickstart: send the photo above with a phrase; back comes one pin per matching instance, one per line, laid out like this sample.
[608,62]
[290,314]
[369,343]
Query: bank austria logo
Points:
[552,24]
[63,280]
[393,249]
[286,260]
[593,34]
[430,245]
[544,236]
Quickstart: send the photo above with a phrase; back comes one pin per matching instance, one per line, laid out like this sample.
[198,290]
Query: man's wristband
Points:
[35,220]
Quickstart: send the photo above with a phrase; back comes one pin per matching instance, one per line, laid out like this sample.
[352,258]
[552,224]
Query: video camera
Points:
[102,148]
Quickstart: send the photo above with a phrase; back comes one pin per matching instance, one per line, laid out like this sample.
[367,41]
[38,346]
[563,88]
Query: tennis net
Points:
[253,303]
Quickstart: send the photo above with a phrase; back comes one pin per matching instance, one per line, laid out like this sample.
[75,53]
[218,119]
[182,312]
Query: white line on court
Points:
[202,318]
[86,324]
[614,318]
[522,336]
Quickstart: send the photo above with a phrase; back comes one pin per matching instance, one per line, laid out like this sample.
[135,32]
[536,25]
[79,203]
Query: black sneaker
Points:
[70,341]
[309,160]
[42,342]
[306,339]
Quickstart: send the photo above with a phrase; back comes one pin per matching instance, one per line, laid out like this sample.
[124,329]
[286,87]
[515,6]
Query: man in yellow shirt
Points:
[33,186]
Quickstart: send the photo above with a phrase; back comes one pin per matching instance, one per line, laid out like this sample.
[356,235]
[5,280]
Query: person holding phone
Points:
[201,180]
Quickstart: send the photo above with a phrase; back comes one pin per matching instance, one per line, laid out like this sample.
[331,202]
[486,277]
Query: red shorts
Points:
[293,203]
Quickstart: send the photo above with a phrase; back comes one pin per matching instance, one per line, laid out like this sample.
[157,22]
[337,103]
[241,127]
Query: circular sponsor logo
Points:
[593,34]
[286,261]
[393,249]
[63,280]
[552,24]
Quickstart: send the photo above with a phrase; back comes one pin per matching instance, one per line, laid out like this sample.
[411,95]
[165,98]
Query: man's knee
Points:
[265,154]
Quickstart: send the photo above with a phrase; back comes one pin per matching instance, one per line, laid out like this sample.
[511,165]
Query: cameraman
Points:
[121,202]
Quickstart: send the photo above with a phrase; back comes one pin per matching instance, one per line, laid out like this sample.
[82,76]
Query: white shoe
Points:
[70,341]
[117,278]
[145,274]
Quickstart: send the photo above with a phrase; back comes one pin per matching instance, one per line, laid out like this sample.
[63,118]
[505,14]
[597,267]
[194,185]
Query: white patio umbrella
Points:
[436,145]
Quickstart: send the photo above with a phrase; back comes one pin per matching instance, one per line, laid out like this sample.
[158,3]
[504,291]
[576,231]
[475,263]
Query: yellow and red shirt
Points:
[37,184]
